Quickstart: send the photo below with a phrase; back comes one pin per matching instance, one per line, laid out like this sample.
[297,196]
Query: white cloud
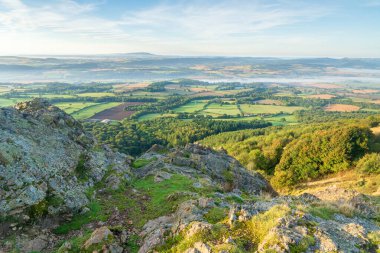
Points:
[228,27]
[227,18]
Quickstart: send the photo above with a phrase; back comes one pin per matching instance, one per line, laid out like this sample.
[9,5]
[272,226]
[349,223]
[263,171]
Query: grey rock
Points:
[41,148]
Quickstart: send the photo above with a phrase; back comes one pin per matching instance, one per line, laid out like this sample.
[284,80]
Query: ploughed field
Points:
[115,113]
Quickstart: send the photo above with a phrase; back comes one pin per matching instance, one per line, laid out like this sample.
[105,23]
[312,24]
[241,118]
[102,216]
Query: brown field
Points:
[199,89]
[130,86]
[115,113]
[207,93]
[269,102]
[321,96]
[342,108]
[364,91]
[377,101]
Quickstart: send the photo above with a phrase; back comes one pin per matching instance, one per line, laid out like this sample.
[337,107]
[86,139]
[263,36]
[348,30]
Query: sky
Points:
[282,28]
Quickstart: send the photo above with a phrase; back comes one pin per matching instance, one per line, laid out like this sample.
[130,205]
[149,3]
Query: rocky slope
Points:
[61,192]
[47,162]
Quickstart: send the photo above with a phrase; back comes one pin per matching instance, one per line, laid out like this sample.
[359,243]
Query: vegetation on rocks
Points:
[184,199]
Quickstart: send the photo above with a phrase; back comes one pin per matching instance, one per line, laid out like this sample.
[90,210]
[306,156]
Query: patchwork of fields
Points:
[277,114]
[224,101]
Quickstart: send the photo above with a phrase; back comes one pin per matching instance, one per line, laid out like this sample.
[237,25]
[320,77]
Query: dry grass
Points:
[321,96]
[375,130]
[368,91]
[366,184]
[342,108]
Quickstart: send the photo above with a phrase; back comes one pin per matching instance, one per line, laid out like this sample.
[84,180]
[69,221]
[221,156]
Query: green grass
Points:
[95,214]
[140,163]
[36,95]
[281,120]
[90,111]
[71,107]
[259,226]
[4,102]
[191,107]
[216,215]
[158,204]
[216,109]
[96,94]
[269,109]
[155,115]
[324,212]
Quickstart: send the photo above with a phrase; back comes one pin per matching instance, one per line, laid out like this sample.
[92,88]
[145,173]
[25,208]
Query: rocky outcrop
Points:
[47,161]
[212,167]
[155,231]
[303,227]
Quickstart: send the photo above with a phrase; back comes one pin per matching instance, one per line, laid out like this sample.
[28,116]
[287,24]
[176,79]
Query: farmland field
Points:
[115,113]
[155,115]
[269,109]
[193,106]
[321,96]
[96,94]
[216,109]
[90,111]
[269,102]
[72,107]
[35,95]
[4,102]
[341,108]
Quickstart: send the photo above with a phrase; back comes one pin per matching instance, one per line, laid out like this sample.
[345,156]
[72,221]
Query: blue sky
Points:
[286,28]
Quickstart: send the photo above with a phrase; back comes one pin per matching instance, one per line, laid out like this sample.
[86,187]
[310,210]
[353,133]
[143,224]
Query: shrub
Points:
[370,163]
[259,226]
[215,215]
[320,153]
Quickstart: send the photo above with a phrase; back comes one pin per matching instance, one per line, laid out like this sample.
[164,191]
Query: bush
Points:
[370,163]
[320,153]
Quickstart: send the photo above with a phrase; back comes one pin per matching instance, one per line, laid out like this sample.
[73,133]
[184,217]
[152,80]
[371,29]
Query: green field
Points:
[191,107]
[71,107]
[35,95]
[269,109]
[90,111]
[96,94]
[4,102]
[155,115]
[216,109]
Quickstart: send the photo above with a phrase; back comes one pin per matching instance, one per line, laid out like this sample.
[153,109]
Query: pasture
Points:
[216,109]
[269,109]
[192,106]
[90,111]
[96,94]
[71,107]
[4,102]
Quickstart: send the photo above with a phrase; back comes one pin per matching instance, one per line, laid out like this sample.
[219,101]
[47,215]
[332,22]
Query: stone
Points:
[42,147]
[196,227]
[100,235]
[37,244]
[202,247]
